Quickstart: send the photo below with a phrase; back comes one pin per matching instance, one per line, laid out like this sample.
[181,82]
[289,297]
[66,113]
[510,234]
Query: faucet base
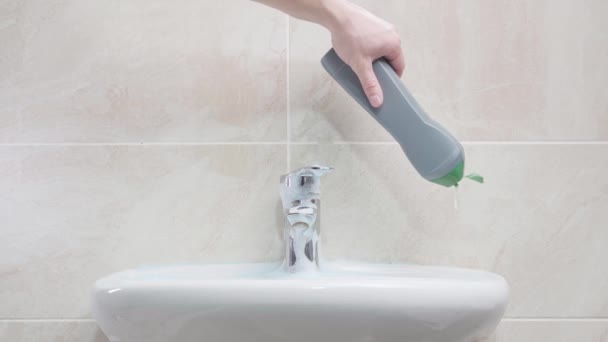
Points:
[300,197]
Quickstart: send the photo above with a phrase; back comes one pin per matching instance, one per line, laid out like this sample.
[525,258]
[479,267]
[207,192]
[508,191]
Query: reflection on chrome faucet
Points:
[300,196]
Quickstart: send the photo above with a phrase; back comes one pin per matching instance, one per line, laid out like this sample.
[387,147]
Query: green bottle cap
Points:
[475,177]
[453,177]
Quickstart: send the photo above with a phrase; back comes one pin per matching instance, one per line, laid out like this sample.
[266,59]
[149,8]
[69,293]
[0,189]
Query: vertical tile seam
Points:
[287,95]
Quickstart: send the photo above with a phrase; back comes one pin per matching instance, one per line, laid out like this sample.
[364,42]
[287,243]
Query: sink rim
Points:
[274,271]
[453,286]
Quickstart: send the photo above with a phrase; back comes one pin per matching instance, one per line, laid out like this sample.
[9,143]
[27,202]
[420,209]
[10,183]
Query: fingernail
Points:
[375,100]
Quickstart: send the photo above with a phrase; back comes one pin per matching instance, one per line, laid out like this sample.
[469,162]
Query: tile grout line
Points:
[160,144]
[555,319]
[535,142]
[287,95]
[506,319]
[486,142]
[58,320]
[288,142]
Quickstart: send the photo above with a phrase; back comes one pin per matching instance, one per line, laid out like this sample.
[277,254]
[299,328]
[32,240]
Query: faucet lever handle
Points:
[315,170]
[301,184]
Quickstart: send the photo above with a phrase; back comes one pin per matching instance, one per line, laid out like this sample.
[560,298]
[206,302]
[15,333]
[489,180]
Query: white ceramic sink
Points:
[301,299]
[262,303]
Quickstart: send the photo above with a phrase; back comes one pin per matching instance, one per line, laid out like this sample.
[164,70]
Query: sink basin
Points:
[263,303]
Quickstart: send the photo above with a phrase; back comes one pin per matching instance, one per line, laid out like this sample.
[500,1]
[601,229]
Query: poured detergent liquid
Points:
[472,176]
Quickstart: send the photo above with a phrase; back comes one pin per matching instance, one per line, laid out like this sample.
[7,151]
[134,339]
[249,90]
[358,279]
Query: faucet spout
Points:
[301,200]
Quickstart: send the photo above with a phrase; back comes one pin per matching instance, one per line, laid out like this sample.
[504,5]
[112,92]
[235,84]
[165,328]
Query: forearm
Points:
[327,13]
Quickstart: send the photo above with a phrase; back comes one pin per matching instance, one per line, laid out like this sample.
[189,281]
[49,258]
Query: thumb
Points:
[370,84]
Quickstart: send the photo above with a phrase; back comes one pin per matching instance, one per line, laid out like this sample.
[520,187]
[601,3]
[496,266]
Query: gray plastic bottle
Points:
[432,150]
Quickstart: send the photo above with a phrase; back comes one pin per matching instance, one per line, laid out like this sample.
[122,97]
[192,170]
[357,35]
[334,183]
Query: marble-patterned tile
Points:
[551,330]
[487,70]
[51,331]
[70,215]
[539,220]
[131,71]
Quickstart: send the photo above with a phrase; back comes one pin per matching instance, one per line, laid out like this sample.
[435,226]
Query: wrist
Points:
[334,14]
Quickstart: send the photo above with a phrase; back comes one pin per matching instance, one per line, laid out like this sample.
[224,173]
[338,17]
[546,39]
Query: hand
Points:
[359,38]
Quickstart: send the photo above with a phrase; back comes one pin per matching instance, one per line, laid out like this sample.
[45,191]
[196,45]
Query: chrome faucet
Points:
[301,201]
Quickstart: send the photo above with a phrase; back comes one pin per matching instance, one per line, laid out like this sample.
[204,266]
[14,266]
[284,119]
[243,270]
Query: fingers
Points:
[370,84]
[396,60]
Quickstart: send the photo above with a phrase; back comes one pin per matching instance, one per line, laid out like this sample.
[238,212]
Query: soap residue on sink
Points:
[303,241]
[263,273]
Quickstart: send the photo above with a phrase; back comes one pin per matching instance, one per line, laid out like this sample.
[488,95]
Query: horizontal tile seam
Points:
[506,319]
[555,319]
[488,142]
[281,143]
[17,320]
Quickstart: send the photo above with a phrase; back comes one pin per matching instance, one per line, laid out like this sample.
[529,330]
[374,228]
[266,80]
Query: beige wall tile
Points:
[487,70]
[539,219]
[552,330]
[200,71]
[51,331]
[116,71]
[508,331]
[70,215]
